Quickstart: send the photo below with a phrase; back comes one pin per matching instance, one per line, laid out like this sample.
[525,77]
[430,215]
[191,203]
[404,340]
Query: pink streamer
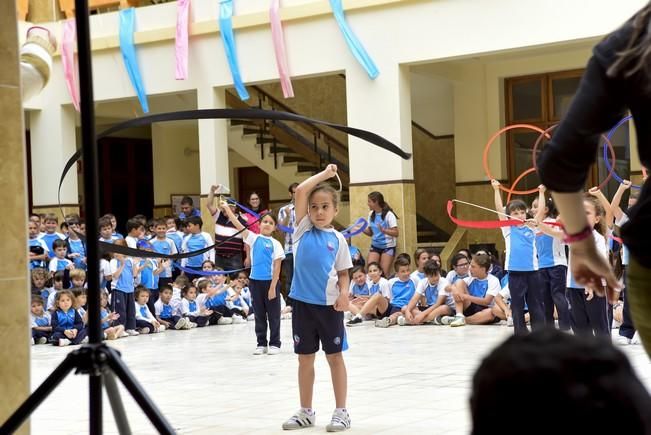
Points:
[182,15]
[70,72]
[279,47]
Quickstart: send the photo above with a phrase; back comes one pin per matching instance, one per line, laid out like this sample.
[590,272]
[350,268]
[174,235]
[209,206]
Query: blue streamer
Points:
[354,44]
[226,30]
[128,49]
[607,161]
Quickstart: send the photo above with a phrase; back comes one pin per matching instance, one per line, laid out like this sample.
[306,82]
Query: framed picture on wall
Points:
[176,201]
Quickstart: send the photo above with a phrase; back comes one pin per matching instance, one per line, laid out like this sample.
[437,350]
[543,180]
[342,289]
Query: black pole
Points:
[90,168]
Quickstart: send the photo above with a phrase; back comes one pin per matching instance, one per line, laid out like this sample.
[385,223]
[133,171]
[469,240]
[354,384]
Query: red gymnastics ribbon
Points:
[483,225]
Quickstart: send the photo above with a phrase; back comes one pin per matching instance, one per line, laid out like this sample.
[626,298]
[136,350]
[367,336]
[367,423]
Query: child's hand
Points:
[341,304]
[330,170]
[68,333]
[531,223]
[594,191]
[70,266]
[626,184]
[542,188]
[223,205]
[207,312]
[496,184]
[74,255]
[589,294]
[214,188]
[272,293]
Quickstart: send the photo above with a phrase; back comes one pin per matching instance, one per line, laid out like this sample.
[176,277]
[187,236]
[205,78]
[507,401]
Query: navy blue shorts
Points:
[389,251]
[391,309]
[473,308]
[312,324]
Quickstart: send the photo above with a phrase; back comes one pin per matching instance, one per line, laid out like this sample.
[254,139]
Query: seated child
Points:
[145,320]
[191,310]
[67,325]
[77,278]
[165,314]
[235,301]
[359,290]
[502,307]
[207,289]
[110,332]
[41,327]
[79,303]
[59,262]
[432,300]
[39,280]
[57,286]
[473,296]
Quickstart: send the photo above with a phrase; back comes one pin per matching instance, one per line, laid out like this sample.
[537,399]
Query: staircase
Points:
[305,148]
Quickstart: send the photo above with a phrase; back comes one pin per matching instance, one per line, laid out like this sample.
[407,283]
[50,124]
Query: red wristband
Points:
[573,238]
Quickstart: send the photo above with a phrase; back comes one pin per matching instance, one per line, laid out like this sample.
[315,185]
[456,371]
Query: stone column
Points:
[213,150]
[14,282]
[53,139]
[382,106]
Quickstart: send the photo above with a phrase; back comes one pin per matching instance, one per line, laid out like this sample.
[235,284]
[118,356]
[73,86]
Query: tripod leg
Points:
[41,393]
[95,404]
[116,403]
[146,404]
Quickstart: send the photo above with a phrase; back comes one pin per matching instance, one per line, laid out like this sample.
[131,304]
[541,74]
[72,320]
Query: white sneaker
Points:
[458,321]
[340,421]
[621,340]
[132,332]
[225,321]
[144,330]
[41,340]
[273,350]
[402,321]
[446,320]
[123,334]
[85,340]
[161,328]
[383,323]
[33,341]
[260,350]
[509,321]
[238,319]
[181,323]
[250,318]
[348,315]
[636,338]
[286,316]
[300,420]
[193,325]
[64,342]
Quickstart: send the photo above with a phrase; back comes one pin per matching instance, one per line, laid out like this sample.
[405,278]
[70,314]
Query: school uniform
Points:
[77,247]
[49,239]
[382,243]
[165,312]
[122,297]
[39,247]
[168,247]
[149,280]
[318,255]
[287,270]
[44,320]
[453,276]
[401,293]
[588,317]
[432,292]
[417,277]
[524,283]
[626,329]
[144,317]
[480,288]
[195,242]
[552,262]
[190,309]
[58,264]
[62,321]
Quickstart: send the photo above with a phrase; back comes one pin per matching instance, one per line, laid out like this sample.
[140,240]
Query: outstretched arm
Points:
[499,206]
[617,199]
[542,204]
[223,206]
[303,190]
[597,193]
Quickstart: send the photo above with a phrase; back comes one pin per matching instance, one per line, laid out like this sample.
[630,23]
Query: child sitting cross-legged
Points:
[41,319]
[107,316]
[473,296]
[145,320]
[432,300]
[67,325]
[166,314]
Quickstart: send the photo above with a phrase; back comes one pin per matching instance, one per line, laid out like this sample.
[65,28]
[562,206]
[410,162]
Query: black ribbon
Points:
[244,114]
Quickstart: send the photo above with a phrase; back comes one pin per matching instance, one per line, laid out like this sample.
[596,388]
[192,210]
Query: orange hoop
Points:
[517,180]
[487,149]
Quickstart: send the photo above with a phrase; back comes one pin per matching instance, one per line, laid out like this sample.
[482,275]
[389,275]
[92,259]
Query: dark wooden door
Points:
[126,178]
[252,179]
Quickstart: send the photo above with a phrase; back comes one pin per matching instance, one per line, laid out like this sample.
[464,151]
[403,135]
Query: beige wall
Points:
[175,172]
[14,282]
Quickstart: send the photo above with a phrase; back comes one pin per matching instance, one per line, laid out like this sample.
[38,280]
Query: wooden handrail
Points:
[22,7]
[68,6]
[331,139]
[417,126]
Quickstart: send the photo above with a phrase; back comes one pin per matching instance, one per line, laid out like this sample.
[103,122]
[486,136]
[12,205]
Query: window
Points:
[542,100]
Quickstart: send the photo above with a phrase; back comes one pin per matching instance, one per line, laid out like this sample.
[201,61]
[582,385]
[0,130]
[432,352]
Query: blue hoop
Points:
[605,154]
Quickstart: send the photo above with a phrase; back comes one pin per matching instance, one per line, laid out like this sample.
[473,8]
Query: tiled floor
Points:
[401,380]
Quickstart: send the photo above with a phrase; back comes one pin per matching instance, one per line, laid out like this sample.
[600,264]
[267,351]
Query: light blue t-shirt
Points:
[103,313]
[165,246]
[551,250]
[49,240]
[147,277]
[125,281]
[361,290]
[195,242]
[42,320]
[77,247]
[58,264]
[379,239]
[401,291]
[521,254]
[40,243]
[264,251]
[479,288]
[318,255]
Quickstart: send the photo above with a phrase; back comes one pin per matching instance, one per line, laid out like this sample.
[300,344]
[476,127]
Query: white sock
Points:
[308,410]
[461,315]
[343,410]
